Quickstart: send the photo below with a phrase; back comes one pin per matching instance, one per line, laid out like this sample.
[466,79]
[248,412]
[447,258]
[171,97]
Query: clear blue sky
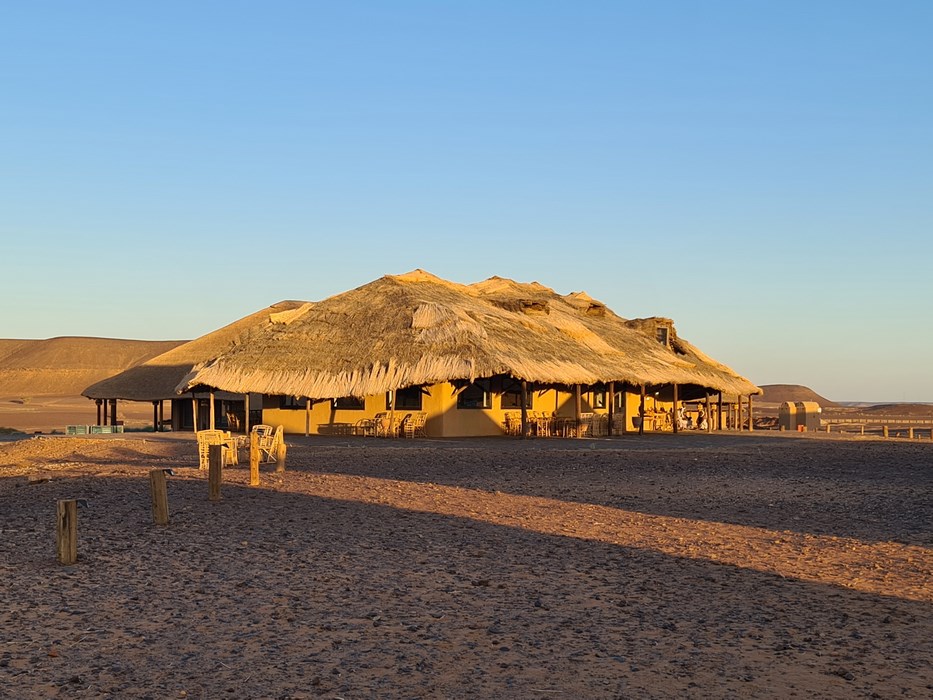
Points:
[762,172]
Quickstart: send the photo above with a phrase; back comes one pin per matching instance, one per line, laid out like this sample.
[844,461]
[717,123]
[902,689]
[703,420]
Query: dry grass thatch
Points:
[158,377]
[417,329]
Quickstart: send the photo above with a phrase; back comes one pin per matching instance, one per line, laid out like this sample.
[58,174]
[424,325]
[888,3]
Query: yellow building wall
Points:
[444,419]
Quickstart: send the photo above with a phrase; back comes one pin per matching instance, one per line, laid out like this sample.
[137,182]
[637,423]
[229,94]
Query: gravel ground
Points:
[665,566]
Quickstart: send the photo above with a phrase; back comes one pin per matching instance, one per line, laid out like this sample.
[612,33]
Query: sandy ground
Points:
[764,566]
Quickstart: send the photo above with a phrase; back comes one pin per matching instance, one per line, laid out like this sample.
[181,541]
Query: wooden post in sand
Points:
[280,451]
[884,431]
[98,402]
[213,425]
[67,540]
[751,416]
[254,459]
[194,411]
[719,411]
[674,416]
[215,457]
[308,417]
[709,414]
[159,496]
[246,413]
[910,433]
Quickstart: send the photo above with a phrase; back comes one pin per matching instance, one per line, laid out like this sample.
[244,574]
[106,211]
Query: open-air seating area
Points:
[385,424]
[543,424]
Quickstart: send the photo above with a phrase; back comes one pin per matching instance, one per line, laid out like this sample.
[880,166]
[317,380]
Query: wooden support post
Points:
[98,402]
[611,406]
[161,415]
[709,414]
[67,541]
[524,409]
[641,411]
[577,409]
[253,459]
[213,425]
[194,412]
[829,428]
[280,452]
[113,411]
[863,430]
[719,410]
[738,412]
[308,417]
[159,496]
[246,413]
[751,415]
[674,415]
[884,431]
[910,433]
[215,471]
[155,416]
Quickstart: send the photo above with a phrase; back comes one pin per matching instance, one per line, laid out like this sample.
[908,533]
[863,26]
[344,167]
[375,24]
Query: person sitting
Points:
[681,419]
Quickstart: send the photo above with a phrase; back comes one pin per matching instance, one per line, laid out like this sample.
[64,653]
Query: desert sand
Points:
[727,566]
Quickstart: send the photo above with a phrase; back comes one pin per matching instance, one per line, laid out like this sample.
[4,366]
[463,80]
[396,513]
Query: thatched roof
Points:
[417,329]
[158,377]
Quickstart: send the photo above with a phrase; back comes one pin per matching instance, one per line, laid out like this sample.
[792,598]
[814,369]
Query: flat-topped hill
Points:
[66,366]
[779,393]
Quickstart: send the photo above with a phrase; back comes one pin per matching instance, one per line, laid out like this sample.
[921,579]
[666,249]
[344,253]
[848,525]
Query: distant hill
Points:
[66,366]
[779,393]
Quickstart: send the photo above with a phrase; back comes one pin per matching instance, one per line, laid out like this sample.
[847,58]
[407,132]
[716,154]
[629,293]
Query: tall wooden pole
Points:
[612,405]
[213,422]
[577,408]
[751,415]
[524,409]
[246,413]
[641,410]
[194,411]
[709,414]
[308,417]
[161,415]
[98,402]
[155,416]
[719,410]
[113,411]
[674,415]
[67,532]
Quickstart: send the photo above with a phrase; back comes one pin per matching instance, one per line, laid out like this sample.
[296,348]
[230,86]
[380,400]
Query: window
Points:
[598,399]
[292,403]
[349,403]
[476,395]
[662,333]
[512,395]
[407,399]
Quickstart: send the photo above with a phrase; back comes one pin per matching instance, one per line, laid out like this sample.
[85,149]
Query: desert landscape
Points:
[760,565]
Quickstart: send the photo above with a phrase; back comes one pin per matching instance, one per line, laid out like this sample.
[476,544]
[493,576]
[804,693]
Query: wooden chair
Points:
[365,427]
[206,438]
[268,441]
[414,424]
[387,426]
